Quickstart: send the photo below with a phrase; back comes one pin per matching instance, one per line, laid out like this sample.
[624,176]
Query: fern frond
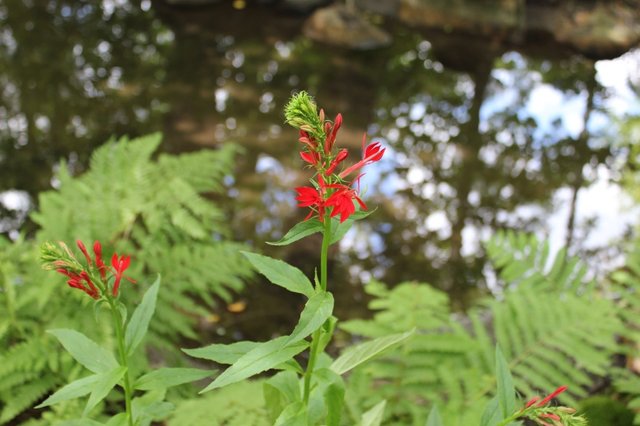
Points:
[26,396]
[521,259]
[551,328]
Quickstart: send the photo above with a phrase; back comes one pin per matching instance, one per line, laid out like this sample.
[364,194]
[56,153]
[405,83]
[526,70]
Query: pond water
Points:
[480,137]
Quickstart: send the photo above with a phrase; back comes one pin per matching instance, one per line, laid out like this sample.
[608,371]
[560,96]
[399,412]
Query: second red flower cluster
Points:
[92,278]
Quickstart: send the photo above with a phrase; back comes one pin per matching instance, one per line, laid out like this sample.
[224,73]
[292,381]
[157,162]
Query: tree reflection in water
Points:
[471,151]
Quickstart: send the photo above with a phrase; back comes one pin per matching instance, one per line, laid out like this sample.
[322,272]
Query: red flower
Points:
[370,154]
[97,251]
[549,416]
[339,158]
[552,395]
[310,157]
[310,197]
[331,137]
[75,281]
[306,139]
[532,401]
[120,265]
[341,202]
[83,249]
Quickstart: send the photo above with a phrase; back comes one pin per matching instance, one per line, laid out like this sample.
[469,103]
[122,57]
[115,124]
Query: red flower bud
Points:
[552,395]
[83,249]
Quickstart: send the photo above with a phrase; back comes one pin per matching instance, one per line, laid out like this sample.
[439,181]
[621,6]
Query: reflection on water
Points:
[479,137]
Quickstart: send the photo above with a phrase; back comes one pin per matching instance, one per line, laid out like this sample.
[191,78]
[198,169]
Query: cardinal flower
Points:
[370,154]
[120,264]
[97,251]
[310,197]
[341,202]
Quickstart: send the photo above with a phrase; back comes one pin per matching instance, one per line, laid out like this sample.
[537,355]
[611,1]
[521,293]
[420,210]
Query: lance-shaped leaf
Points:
[139,323]
[167,377]
[222,354]
[293,415]
[102,387]
[281,273]
[434,418]
[73,390]
[280,391]
[492,414]
[373,417]
[362,352]
[299,231]
[316,311]
[85,351]
[506,392]
[333,394]
[263,357]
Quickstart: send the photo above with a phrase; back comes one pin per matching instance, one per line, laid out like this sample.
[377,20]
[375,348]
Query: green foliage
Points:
[551,326]
[157,208]
[625,287]
[240,404]
[30,362]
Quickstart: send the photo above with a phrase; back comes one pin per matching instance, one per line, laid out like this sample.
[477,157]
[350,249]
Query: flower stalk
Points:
[329,194]
[101,283]
[123,358]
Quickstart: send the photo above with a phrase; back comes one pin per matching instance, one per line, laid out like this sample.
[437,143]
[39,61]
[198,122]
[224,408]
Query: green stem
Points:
[510,419]
[326,239]
[122,352]
[315,337]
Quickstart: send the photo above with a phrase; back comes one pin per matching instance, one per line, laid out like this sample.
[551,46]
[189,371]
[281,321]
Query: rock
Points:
[486,18]
[381,7]
[341,26]
[601,30]
[597,29]
[302,6]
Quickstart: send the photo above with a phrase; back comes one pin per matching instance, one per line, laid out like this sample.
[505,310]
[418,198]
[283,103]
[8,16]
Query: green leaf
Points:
[293,415]
[491,415]
[334,400]
[80,422]
[362,352]
[73,390]
[263,357]
[222,354]
[281,273]
[119,419]
[290,365]
[151,406]
[373,417]
[316,311]
[167,377]
[338,230]
[85,351]
[326,333]
[139,323]
[434,417]
[102,387]
[280,391]
[506,392]
[299,231]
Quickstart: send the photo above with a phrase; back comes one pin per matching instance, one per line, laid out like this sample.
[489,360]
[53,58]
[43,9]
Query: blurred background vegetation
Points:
[504,116]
